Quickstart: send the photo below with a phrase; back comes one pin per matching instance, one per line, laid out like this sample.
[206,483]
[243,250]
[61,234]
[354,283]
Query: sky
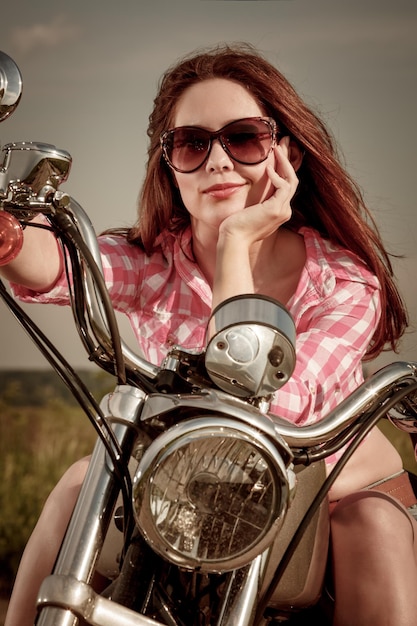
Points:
[90,73]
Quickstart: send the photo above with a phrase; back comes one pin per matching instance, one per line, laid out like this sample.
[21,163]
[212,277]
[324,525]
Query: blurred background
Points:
[90,72]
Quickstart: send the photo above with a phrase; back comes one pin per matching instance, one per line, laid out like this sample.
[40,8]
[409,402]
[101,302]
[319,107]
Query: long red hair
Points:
[327,199]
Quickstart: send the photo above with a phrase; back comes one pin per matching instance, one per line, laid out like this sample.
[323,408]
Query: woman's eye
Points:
[241,138]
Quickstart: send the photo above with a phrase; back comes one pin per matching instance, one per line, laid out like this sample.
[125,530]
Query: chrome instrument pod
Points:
[251,347]
[10,86]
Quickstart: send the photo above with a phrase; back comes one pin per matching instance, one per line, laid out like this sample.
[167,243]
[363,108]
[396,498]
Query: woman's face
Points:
[221,186]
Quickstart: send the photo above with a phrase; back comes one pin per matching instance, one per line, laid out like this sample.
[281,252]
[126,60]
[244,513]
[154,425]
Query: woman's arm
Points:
[39,263]
[243,234]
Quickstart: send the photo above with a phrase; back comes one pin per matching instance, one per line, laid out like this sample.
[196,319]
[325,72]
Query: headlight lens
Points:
[209,494]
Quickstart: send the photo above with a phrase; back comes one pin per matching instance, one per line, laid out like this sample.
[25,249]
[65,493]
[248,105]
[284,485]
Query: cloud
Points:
[45,35]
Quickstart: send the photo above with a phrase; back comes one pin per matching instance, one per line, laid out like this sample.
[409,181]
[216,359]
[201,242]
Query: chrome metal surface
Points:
[10,86]
[217,401]
[176,494]
[65,597]
[95,312]
[251,308]
[30,169]
[123,404]
[371,393]
[251,351]
[90,520]
[383,383]
[242,596]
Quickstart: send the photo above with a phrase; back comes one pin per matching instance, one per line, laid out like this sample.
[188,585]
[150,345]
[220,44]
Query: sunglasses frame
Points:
[269,121]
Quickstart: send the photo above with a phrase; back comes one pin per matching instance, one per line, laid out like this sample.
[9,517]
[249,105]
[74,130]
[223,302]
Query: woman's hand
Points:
[247,239]
[260,220]
[39,263]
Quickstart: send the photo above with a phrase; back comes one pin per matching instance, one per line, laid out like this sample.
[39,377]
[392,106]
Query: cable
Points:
[69,229]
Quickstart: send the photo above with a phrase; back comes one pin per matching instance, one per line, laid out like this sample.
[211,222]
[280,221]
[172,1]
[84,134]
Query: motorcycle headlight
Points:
[210,493]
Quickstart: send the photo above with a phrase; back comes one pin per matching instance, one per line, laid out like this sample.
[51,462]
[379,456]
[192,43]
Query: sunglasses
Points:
[247,141]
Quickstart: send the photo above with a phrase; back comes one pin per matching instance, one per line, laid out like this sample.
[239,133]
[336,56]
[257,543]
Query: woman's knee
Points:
[61,501]
[371,511]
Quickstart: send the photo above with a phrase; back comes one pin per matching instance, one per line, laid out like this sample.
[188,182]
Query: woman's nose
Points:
[218,158]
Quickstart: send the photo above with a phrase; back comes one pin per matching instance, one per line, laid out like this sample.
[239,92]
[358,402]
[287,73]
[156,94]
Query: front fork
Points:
[63,595]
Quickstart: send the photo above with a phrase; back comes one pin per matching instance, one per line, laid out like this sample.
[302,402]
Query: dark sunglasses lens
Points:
[186,148]
[248,141]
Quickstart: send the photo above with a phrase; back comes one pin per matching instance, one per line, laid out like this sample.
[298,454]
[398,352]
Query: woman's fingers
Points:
[283,167]
[284,179]
[260,220]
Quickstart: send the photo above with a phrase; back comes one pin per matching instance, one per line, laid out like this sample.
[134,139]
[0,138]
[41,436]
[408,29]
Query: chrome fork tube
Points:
[89,522]
[243,593]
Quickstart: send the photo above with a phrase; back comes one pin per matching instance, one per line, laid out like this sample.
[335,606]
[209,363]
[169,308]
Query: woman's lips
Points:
[223,191]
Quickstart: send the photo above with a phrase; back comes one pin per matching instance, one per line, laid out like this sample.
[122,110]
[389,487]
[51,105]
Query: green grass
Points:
[36,447]
[402,442]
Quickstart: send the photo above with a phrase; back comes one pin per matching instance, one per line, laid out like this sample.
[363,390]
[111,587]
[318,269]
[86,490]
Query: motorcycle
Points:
[197,508]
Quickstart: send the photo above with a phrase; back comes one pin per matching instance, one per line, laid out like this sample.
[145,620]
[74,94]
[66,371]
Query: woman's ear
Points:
[295,154]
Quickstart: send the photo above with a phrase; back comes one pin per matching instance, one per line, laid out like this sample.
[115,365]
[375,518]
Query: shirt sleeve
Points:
[122,269]
[330,347]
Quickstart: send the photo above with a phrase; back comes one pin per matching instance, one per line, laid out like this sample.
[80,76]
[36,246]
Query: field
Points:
[42,431]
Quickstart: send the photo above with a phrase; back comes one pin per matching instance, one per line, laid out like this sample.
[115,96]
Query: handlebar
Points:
[384,384]
[76,218]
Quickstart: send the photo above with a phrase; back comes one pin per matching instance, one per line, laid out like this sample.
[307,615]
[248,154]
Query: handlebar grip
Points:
[11,237]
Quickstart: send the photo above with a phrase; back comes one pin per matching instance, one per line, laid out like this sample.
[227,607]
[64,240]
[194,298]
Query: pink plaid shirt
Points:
[336,308]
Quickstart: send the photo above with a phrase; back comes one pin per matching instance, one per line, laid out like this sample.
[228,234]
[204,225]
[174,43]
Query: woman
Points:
[244,193]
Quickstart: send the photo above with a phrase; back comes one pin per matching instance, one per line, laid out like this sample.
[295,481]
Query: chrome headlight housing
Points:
[210,493]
